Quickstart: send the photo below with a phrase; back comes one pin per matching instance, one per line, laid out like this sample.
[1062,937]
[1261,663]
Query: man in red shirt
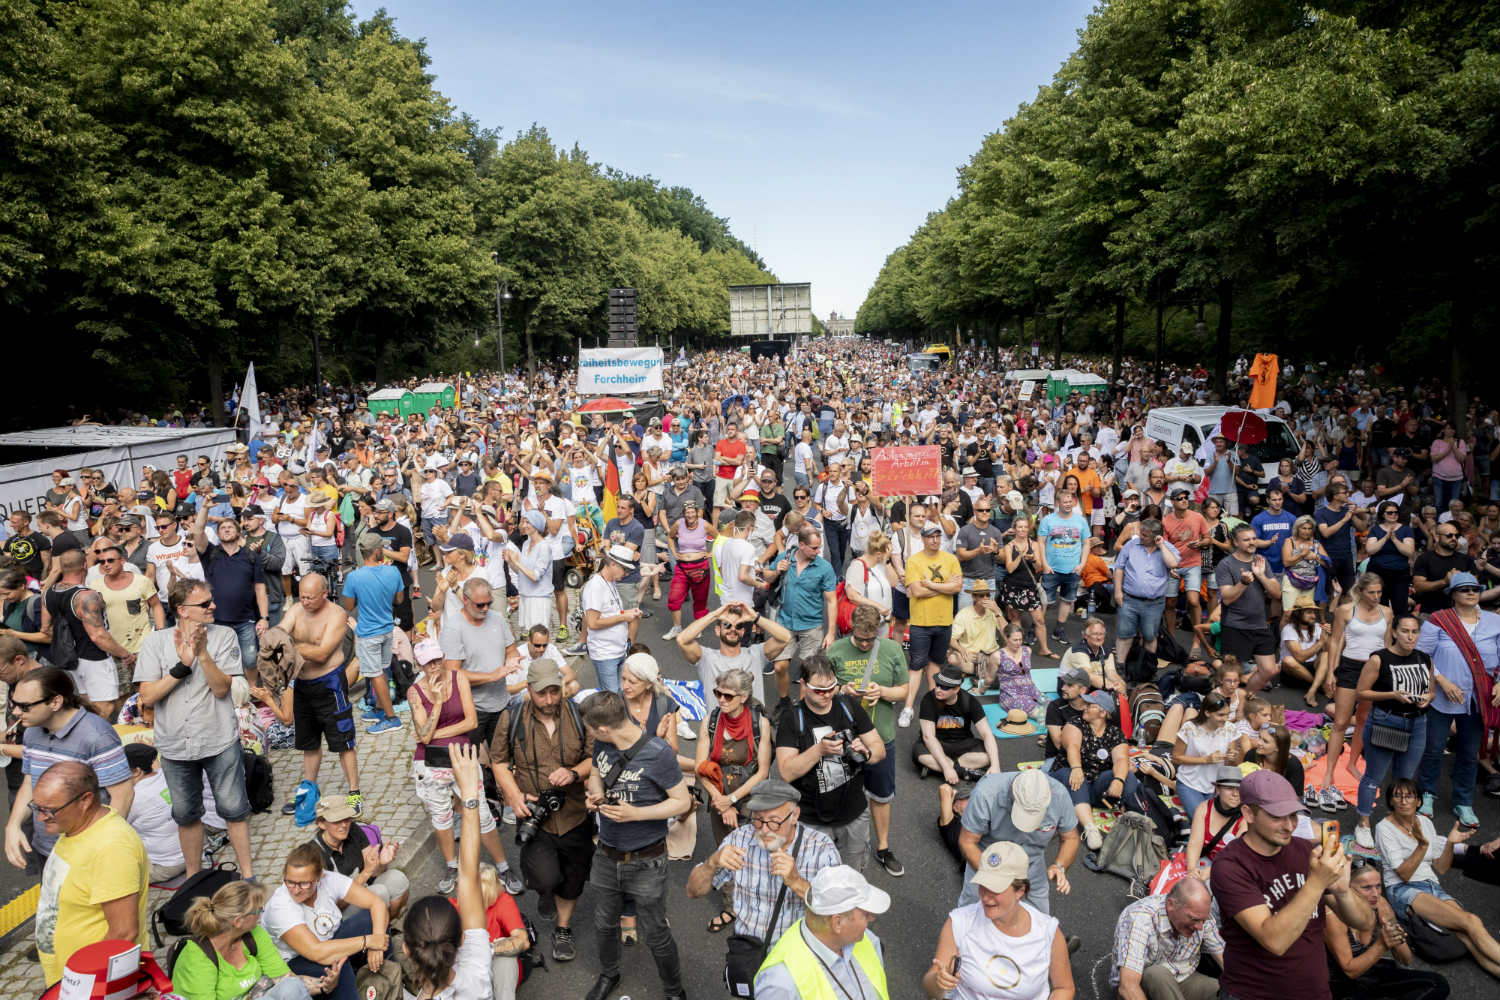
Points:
[1186,529]
[1271,887]
[729,455]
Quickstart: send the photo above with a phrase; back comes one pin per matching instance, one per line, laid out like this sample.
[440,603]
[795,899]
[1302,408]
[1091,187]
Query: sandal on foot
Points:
[629,934]
[723,920]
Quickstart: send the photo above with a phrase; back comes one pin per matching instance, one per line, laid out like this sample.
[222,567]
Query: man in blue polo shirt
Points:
[237,579]
[371,592]
[808,609]
[1272,527]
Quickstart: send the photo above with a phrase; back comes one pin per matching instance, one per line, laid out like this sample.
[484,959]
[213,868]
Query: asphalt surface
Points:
[928,890]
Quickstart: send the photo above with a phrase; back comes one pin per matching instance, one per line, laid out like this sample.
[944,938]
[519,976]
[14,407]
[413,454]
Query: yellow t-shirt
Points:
[940,567]
[128,611]
[975,632]
[105,862]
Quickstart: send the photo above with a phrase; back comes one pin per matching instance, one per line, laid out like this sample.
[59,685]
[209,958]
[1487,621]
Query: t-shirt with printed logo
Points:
[1243,879]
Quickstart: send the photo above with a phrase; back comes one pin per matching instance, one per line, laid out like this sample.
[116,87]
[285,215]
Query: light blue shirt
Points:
[802,591]
[776,982]
[1450,663]
[1145,571]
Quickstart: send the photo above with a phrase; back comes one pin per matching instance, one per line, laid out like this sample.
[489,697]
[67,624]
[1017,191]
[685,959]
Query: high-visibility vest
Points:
[713,563]
[812,984]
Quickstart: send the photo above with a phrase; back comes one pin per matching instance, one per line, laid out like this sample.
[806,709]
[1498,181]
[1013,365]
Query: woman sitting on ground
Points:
[1414,861]
[1374,964]
[239,954]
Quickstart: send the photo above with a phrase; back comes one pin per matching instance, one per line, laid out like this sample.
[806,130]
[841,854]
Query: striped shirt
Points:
[1144,937]
[85,737]
[755,888]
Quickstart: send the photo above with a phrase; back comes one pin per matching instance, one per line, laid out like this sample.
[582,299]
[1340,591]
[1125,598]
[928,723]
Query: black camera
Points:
[542,809]
[854,753]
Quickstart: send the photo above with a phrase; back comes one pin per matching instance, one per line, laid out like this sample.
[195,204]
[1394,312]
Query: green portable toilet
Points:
[432,394]
[1062,383]
[397,402]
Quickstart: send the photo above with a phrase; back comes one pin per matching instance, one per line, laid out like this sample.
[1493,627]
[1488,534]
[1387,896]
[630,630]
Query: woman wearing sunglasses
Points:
[733,756]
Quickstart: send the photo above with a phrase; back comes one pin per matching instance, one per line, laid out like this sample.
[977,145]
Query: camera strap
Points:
[625,757]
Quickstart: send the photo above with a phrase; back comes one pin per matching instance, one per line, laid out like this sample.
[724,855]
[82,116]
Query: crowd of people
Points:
[160,634]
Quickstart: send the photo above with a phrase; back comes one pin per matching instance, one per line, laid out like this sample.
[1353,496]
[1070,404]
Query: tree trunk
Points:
[1057,345]
[216,388]
[1460,319]
[1119,355]
[1221,345]
[1161,340]
[317,364]
[530,347]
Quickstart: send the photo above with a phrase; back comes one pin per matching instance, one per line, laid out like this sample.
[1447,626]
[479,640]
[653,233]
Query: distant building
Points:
[839,327]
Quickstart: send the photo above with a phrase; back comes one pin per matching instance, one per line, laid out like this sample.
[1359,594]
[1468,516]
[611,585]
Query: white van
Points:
[1193,424]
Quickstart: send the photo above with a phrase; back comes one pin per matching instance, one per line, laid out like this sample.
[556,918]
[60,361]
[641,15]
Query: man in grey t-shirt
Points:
[733,622]
[975,545]
[480,643]
[1245,585]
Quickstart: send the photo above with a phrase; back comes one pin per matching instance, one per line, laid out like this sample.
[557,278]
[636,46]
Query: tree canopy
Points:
[1318,180]
[194,184]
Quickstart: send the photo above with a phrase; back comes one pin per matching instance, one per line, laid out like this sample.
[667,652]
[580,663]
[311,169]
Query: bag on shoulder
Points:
[175,952]
[171,916]
[746,952]
[63,653]
[1133,849]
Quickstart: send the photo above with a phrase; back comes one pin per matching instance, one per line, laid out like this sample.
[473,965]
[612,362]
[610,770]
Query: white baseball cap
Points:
[1001,864]
[839,889]
[1030,795]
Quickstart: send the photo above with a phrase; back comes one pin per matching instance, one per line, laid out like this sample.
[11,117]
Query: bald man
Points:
[95,883]
[320,695]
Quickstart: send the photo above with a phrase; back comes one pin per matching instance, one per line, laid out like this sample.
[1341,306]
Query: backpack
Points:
[171,916]
[383,985]
[740,771]
[403,676]
[517,734]
[1132,849]
[175,952]
[63,653]
[258,784]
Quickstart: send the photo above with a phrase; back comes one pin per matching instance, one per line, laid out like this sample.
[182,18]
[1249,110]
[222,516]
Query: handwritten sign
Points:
[907,471]
[1027,388]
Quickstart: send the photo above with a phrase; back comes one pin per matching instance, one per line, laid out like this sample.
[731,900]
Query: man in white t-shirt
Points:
[433,496]
[607,620]
[171,550]
[289,515]
[734,562]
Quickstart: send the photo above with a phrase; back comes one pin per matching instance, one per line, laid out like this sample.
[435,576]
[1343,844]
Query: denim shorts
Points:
[1062,586]
[880,779]
[373,653]
[1140,617]
[226,776]
[1401,894]
[1192,577]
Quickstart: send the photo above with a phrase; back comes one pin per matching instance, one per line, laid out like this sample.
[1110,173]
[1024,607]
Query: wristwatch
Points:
[471,803]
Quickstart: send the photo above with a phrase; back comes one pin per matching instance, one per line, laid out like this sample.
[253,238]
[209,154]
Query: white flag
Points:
[250,400]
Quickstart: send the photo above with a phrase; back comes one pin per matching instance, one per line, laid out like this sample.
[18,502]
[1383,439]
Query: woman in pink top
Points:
[1449,459]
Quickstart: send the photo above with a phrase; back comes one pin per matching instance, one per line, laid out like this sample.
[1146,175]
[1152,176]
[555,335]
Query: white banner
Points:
[609,371]
[250,400]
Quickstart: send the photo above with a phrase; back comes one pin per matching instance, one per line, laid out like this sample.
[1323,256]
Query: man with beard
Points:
[771,851]
[732,624]
[398,543]
[1433,570]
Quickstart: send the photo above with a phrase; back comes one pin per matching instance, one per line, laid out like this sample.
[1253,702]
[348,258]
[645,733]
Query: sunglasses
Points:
[26,706]
[482,605]
[1466,590]
[821,690]
[725,695]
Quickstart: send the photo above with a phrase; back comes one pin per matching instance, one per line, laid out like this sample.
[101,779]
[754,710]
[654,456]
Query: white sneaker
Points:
[904,719]
[673,632]
[1092,837]
[685,730]
[1364,838]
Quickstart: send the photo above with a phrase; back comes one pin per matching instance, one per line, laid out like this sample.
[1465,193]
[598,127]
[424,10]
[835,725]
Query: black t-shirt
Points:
[949,831]
[1432,566]
[1059,713]
[398,537]
[954,724]
[833,793]
[1411,673]
[27,551]
[651,774]
[776,506]
[63,542]
[348,860]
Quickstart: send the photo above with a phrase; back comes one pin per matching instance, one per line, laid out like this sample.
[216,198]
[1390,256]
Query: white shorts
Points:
[97,679]
[436,789]
[298,556]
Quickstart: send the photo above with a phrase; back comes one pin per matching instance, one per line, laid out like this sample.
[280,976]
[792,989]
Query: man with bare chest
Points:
[320,700]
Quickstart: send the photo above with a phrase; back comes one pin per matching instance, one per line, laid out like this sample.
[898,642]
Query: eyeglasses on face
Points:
[49,812]
[302,886]
[829,689]
[770,822]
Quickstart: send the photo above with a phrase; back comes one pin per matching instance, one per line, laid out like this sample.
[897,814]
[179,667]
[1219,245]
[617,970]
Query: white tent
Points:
[1027,375]
[27,458]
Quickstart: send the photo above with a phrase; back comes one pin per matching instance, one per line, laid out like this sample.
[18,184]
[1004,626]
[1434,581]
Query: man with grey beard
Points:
[759,857]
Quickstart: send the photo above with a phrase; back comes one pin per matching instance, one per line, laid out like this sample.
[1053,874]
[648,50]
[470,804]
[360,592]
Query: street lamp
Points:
[502,296]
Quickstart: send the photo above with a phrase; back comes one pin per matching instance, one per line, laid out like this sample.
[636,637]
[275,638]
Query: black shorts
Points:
[320,707]
[953,750]
[1245,644]
[900,606]
[1346,674]
[558,864]
[404,614]
[559,574]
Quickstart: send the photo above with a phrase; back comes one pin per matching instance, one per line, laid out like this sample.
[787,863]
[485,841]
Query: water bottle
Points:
[1093,604]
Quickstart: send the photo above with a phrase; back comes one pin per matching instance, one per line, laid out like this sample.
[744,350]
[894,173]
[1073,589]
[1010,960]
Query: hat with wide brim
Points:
[1017,723]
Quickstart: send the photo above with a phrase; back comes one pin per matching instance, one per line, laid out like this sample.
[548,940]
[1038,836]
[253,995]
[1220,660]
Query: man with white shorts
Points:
[68,604]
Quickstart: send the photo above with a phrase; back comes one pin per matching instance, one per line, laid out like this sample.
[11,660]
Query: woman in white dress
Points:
[1004,948]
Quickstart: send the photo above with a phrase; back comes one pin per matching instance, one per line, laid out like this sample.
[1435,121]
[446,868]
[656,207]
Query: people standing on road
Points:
[371,594]
[1062,533]
[96,655]
[607,622]
[733,623]
[237,579]
[1246,586]
[933,578]
[689,542]
[320,700]
[808,608]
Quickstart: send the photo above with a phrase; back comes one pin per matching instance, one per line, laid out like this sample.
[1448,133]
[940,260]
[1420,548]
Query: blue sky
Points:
[825,132]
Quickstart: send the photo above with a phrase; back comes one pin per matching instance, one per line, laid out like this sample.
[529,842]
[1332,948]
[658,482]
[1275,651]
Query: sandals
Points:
[719,923]
[628,932]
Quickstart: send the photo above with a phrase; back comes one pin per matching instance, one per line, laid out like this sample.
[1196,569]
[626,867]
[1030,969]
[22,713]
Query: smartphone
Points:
[1330,836]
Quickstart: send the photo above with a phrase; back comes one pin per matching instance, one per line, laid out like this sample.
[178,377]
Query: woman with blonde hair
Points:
[1301,556]
[507,931]
[870,579]
[229,954]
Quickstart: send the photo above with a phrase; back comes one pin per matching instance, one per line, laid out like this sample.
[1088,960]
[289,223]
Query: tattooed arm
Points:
[90,608]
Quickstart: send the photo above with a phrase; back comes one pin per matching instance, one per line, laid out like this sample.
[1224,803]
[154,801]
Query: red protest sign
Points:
[907,471]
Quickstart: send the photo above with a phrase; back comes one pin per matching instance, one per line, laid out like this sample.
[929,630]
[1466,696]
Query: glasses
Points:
[821,690]
[981,510]
[768,823]
[303,886]
[108,561]
[26,706]
[726,695]
[731,627]
[481,605]
[49,812]
[200,604]
[1466,590]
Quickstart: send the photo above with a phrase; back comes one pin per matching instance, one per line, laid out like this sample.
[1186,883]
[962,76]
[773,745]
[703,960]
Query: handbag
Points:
[747,952]
[1391,737]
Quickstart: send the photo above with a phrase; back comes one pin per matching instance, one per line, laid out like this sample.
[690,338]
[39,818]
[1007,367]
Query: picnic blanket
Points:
[1343,779]
[1045,679]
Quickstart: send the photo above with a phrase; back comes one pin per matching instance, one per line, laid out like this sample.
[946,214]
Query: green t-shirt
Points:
[849,663]
[195,977]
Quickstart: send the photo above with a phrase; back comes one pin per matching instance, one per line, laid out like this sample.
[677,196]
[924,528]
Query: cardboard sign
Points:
[1027,388]
[907,471]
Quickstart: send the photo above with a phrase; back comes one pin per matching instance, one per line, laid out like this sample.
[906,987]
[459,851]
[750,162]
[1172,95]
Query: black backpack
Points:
[516,733]
[403,676]
[63,653]
[175,952]
[171,916]
[258,783]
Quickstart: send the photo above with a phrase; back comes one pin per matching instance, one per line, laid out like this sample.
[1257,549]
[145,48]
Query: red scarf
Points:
[737,729]
[1449,622]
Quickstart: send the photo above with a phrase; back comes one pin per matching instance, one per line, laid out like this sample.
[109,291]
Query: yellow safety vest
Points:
[714,566]
[812,984]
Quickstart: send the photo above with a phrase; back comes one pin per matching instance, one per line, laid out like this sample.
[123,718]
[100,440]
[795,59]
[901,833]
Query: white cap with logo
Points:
[839,889]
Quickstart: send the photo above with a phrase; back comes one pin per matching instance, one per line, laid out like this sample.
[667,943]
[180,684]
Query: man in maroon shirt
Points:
[1271,887]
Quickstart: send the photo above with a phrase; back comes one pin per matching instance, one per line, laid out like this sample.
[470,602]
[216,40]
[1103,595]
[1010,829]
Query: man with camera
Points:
[635,787]
[822,747]
[542,755]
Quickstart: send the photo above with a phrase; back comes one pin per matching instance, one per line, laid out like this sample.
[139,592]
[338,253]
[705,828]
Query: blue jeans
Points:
[226,776]
[1465,754]
[1378,760]
[607,672]
[1191,798]
[800,479]
[249,644]
[1445,490]
[1140,617]
[645,882]
[1092,792]
[356,923]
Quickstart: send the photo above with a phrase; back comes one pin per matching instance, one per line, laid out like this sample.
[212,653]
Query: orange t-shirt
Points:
[1088,479]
